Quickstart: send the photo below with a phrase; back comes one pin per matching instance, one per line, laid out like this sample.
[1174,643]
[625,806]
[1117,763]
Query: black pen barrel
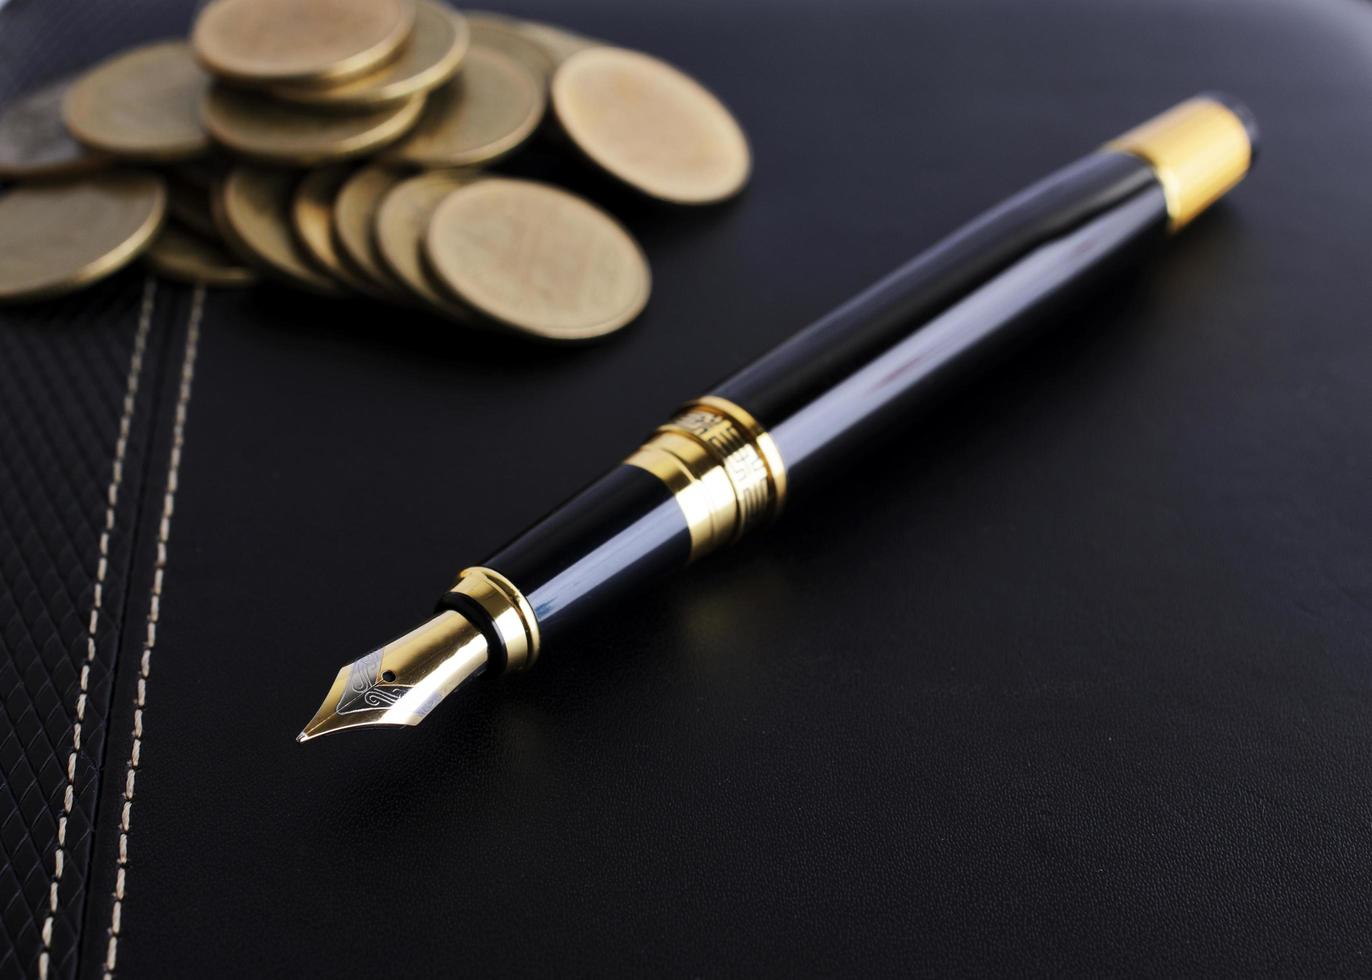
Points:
[832,385]
[727,461]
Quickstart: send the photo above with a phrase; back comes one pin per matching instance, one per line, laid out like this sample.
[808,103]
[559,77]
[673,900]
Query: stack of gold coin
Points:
[345,146]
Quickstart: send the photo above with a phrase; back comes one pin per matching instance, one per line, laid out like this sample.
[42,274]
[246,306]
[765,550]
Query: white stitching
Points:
[145,662]
[121,446]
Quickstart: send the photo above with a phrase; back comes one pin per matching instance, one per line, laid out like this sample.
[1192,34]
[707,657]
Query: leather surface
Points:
[63,386]
[1069,677]
[61,401]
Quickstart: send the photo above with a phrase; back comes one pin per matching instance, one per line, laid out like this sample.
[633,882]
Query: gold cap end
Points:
[1198,149]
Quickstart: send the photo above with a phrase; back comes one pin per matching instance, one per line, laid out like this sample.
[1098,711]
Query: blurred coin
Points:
[498,33]
[538,259]
[144,103]
[354,218]
[401,222]
[252,210]
[648,124]
[487,111]
[557,43]
[35,143]
[276,132]
[60,236]
[312,220]
[180,254]
[190,205]
[287,41]
[429,58]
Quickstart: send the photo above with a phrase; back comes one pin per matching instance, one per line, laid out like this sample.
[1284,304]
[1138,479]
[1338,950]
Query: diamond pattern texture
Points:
[65,369]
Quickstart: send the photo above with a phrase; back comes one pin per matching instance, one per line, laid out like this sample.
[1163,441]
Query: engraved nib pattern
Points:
[358,698]
[365,688]
[403,681]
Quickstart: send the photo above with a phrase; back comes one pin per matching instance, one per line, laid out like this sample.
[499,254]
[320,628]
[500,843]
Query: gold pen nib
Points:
[401,683]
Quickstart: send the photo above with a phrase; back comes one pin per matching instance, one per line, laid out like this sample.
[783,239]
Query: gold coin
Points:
[429,58]
[354,218]
[538,259]
[285,41]
[559,44]
[648,124]
[58,237]
[144,103]
[252,210]
[401,221]
[35,143]
[312,219]
[487,111]
[276,132]
[497,33]
[180,254]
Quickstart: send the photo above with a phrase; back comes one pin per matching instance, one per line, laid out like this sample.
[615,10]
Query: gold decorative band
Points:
[722,467]
[1198,149]
[509,610]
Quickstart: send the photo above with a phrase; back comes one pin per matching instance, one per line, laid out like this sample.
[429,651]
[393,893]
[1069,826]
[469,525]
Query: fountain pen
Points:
[726,462]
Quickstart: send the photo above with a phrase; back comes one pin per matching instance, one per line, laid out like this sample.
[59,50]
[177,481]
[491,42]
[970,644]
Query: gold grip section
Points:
[721,466]
[509,610]
[1199,150]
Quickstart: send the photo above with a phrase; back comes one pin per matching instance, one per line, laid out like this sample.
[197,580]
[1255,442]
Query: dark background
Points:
[1071,677]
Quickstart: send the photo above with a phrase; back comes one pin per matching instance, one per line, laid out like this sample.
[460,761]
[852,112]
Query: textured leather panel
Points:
[65,368]
[1070,678]
[63,374]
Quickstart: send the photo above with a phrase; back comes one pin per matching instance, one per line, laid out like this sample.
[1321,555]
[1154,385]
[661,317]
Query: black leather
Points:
[1070,678]
[62,402]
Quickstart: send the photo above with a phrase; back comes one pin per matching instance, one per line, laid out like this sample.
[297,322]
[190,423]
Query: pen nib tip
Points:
[355,700]
[400,684]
